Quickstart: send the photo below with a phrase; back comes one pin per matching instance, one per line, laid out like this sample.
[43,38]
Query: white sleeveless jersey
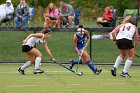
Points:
[126,31]
[34,40]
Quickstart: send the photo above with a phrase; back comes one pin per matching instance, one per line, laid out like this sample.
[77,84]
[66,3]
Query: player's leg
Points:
[38,59]
[128,62]
[120,58]
[86,60]
[117,62]
[73,62]
[27,64]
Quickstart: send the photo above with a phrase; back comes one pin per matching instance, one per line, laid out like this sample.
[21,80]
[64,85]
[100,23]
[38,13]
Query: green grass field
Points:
[61,45]
[58,80]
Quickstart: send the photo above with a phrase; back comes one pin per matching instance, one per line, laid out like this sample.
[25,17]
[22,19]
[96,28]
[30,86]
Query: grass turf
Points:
[61,45]
[58,80]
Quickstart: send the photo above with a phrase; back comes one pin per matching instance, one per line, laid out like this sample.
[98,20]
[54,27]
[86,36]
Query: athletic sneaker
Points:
[38,71]
[125,75]
[113,71]
[21,71]
[71,64]
[98,71]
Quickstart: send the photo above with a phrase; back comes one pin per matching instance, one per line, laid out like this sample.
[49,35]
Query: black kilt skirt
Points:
[124,44]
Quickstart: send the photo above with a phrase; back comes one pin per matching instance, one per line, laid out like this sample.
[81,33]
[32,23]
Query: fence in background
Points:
[37,29]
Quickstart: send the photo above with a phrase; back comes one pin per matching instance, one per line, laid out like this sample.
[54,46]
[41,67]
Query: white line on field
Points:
[22,85]
[54,71]
[7,72]
[114,84]
[75,84]
[2,72]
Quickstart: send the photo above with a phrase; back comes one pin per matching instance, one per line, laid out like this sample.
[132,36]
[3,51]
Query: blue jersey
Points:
[80,41]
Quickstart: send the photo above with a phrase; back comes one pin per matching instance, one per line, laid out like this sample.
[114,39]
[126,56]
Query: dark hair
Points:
[80,26]
[63,1]
[46,30]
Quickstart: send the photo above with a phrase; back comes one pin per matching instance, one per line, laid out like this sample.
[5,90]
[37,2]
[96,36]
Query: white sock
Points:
[37,62]
[118,61]
[127,65]
[26,65]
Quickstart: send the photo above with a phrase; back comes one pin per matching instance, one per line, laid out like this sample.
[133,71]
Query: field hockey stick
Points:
[137,55]
[77,73]
[80,57]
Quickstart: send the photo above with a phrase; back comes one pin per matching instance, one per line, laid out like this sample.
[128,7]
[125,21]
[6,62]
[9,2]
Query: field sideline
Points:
[58,80]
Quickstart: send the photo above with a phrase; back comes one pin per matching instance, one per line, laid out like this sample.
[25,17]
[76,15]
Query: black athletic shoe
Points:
[125,75]
[38,71]
[71,64]
[113,71]
[98,71]
[21,71]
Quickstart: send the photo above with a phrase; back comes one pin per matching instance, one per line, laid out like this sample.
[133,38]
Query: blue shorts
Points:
[80,48]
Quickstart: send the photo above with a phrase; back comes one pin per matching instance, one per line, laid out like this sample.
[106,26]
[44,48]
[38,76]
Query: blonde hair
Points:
[128,19]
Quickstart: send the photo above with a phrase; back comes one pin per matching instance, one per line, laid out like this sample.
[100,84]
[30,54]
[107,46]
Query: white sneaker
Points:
[125,75]
[38,71]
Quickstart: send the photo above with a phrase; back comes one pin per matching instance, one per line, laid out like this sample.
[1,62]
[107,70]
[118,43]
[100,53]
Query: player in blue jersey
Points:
[79,43]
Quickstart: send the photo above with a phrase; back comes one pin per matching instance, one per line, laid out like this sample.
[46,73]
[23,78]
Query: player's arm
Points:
[38,35]
[114,33]
[75,44]
[136,38]
[88,37]
[48,51]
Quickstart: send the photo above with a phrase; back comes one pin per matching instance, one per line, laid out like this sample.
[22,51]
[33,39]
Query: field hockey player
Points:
[123,35]
[34,55]
[79,46]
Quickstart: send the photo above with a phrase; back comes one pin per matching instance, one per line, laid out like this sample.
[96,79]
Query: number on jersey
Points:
[127,28]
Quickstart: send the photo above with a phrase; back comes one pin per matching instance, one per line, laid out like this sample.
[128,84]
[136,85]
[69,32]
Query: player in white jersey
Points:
[34,55]
[123,36]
